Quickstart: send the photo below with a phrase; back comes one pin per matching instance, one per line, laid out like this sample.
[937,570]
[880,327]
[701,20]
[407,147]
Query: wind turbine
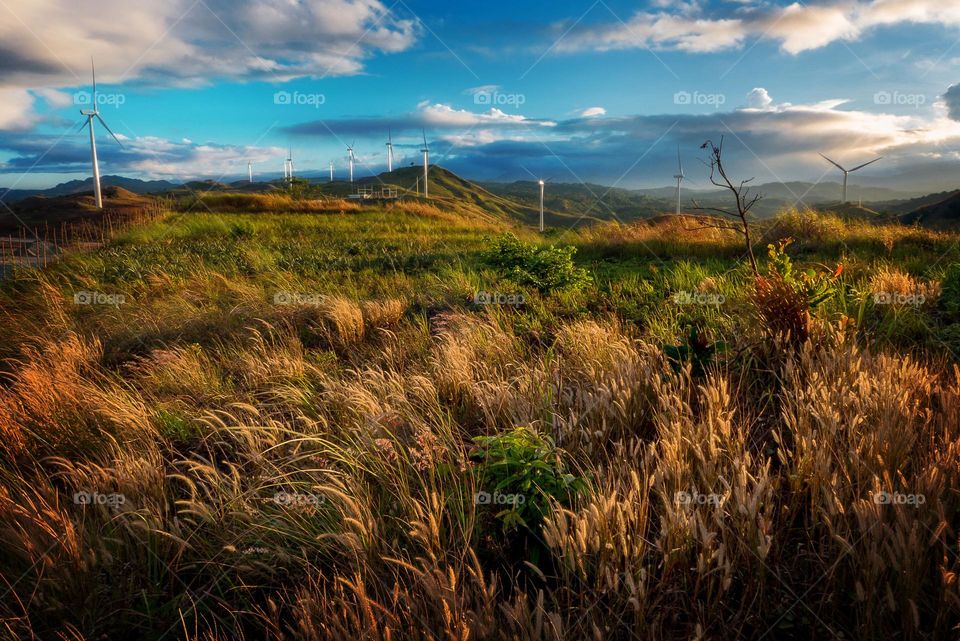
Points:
[331,171]
[679,178]
[426,165]
[350,158]
[91,114]
[290,163]
[249,171]
[847,172]
[542,185]
[389,151]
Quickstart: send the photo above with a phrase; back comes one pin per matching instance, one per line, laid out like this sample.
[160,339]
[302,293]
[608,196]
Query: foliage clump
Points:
[547,269]
[528,470]
[784,298]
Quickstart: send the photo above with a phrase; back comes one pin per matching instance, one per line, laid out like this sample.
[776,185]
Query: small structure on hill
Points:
[374,193]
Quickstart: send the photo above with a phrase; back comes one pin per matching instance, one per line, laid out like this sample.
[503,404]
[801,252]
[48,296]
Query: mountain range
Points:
[565,201]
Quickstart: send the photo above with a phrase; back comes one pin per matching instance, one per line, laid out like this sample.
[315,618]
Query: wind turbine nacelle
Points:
[88,112]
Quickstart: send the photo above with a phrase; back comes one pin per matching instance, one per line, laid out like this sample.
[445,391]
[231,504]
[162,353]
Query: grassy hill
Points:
[944,215]
[39,211]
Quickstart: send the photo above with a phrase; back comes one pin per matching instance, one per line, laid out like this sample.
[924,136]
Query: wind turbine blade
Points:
[424,132]
[93,72]
[83,125]
[389,136]
[832,163]
[108,129]
[865,164]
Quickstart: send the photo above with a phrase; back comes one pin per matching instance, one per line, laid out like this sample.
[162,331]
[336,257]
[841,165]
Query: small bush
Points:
[545,268]
[526,467]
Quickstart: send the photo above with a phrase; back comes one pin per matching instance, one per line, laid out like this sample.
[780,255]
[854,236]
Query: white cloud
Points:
[16,110]
[797,27]
[593,112]
[47,43]
[759,98]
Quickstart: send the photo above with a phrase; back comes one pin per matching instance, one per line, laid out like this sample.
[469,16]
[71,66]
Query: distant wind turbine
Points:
[350,158]
[543,184]
[249,171]
[290,163]
[847,172]
[91,114]
[389,151]
[679,178]
[331,171]
[426,165]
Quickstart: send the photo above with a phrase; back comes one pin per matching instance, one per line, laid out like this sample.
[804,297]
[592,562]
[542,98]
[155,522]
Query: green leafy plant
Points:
[522,471]
[817,287]
[784,297]
[697,350]
[545,268]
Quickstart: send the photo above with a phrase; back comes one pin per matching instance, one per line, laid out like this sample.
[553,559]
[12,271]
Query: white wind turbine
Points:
[91,114]
[249,171]
[542,185]
[350,158]
[426,165]
[679,178]
[290,164]
[389,151]
[331,171]
[847,172]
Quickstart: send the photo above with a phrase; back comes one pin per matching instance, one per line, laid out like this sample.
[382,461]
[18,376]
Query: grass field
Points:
[351,423]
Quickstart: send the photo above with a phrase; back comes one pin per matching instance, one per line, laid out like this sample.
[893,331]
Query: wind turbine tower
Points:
[389,151]
[542,184]
[290,164]
[350,159]
[249,171]
[426,165]
[847,172]
[90,115]
[331,171]
[679,178]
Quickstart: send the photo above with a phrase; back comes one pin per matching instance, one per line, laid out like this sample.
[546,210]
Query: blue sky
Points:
[602,92]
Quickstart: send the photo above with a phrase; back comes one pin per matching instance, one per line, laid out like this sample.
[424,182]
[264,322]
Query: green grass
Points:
[341,358]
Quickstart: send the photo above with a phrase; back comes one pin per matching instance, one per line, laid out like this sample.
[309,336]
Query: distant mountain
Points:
[134,185]
[912,204]
[943,215]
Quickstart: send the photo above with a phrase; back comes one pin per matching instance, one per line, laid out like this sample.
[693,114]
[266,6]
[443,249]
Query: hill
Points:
[133,185]
[459,194]
[943,215]
[45,210]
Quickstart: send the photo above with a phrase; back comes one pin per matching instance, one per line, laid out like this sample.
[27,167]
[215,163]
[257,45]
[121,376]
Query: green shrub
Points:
[545,268]
[527,469]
